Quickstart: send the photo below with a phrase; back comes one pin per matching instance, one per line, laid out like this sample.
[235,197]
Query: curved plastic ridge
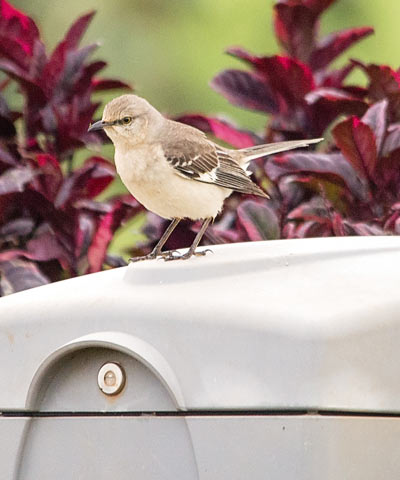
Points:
[133,346]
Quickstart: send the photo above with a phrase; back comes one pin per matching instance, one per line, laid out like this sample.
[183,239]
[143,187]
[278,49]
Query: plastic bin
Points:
[271,360]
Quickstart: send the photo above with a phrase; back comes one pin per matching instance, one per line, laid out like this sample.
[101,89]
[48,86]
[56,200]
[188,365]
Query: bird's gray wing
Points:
[199,159]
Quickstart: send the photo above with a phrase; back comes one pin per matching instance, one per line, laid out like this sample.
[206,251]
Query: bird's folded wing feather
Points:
[199,159]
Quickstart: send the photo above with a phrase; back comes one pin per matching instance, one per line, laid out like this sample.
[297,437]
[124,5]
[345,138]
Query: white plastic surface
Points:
[282,324]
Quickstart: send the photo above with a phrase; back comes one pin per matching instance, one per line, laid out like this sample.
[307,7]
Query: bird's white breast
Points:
[154,183]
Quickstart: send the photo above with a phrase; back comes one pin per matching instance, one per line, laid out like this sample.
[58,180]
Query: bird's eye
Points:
[126,120]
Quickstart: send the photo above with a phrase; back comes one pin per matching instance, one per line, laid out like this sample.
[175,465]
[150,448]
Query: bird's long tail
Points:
[248,154]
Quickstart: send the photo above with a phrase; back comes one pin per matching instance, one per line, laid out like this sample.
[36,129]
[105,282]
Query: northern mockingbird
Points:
[174,170]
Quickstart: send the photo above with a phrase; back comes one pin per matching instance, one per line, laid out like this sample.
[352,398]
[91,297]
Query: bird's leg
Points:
[157,249]
[192,249]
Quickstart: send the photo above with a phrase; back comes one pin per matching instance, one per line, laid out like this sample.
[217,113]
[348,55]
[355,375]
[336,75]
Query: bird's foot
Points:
[153,255]
[149,256]
[188,254]
[168,254]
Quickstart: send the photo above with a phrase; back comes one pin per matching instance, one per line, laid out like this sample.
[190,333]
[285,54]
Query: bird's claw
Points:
[149,256]
[187,255]
[167,254]
[153,255]
[201,253]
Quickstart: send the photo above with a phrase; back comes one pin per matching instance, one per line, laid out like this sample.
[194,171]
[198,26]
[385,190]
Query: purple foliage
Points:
[349,186]
[51,225]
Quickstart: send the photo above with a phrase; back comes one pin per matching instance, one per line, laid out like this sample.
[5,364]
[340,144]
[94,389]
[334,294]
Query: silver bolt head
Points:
[111,378]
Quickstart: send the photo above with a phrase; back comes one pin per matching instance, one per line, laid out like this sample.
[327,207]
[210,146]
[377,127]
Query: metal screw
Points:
[111,378]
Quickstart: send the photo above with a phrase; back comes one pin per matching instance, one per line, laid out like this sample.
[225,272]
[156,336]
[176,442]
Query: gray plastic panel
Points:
[206,448]
[311,324]
[12,435]
[71,385]
[296,448]
[107,448]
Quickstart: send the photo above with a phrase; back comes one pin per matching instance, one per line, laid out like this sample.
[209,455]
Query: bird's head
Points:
[128,119]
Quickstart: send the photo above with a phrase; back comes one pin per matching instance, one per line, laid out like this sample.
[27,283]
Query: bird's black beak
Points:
[97,126]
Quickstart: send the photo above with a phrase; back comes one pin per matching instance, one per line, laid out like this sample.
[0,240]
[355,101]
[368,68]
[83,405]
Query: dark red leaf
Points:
[45,246]
[289,230]
[62,222]
[71,40]
[384,82]
[387,177]
[34,92]
[50,177]
[53,68]
[38,61]
[101,177]
[15,179]
[292,191]
[12,254]
[376,118]
[244,55]
[84,232]
[317,6]
[392,141]
[337,223]
[392,222]
[109,84]
[102,238]
[83,84]
[6,159]
[295,29]
[356,91]
[86,182]
[245,89]
[362,228]
[326,104]
[71,72]
[87,204]
[77,30]
[17,227]
[396,229]
[308,229]
[12,50]
[221,129]
[341,101]
[288,78]
[71,124]
[15,24]
[335,44]
[259,220]
[314,209]
[216,235]
[17,275]
[333,166]
[357,142]
[333,78]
